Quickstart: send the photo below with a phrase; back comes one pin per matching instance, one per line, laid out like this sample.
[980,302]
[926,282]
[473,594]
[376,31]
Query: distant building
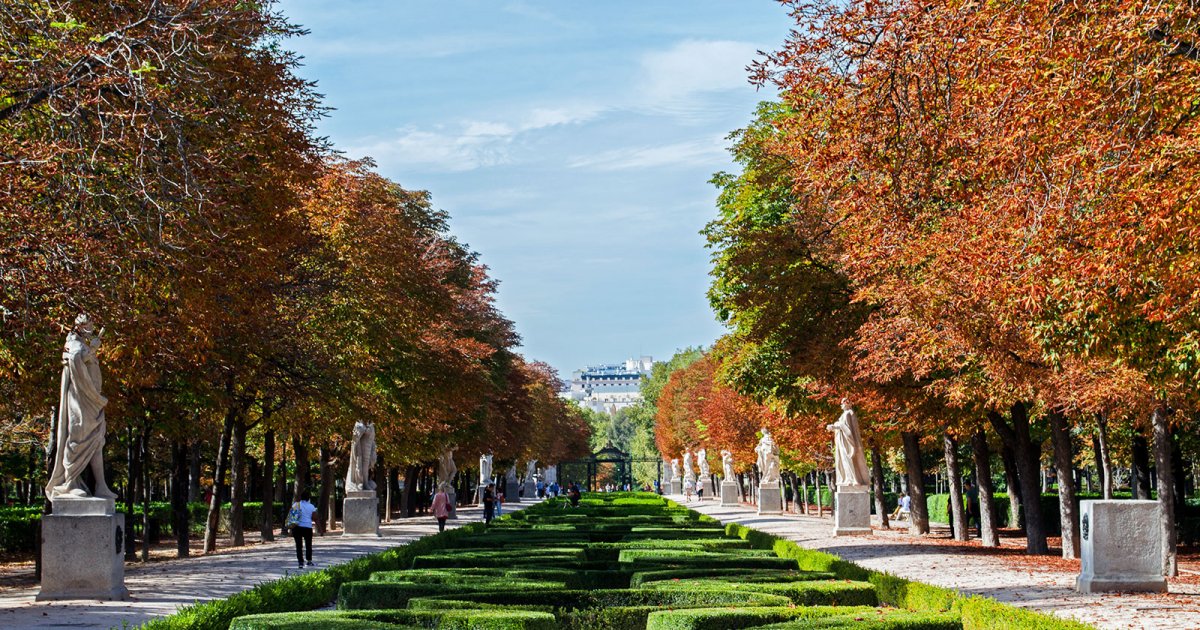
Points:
[610,388]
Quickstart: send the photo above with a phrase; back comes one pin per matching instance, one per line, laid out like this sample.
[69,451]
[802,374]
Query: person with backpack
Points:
[300,520]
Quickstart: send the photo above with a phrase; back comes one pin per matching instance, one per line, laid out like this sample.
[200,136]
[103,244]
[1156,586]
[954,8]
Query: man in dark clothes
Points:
[489,503]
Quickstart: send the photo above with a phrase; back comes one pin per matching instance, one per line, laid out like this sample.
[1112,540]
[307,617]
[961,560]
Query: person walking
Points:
[689,487]
[489,503]
[441,507]
[302,528]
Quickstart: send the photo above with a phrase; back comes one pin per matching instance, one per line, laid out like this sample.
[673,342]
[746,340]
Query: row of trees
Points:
[161,173]
[976,220]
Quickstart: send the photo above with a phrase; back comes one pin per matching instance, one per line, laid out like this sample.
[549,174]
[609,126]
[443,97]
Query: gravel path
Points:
[159,588]
[1005,574]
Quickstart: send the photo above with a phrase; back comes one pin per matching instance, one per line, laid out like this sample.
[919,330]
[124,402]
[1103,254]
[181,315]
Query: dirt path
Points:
[1006,574]
[159,588]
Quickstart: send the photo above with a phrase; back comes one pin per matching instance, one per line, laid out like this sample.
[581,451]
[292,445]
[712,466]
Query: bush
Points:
[392,619]
[733,618]
[643,578]
[802,593]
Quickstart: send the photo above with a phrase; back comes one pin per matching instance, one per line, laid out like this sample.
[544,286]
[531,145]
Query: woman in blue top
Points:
[302,530]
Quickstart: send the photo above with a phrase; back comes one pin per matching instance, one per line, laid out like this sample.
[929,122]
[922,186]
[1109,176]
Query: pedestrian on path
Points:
[499,503]
[489,503]
[302,529]
[689,487]
[441,507]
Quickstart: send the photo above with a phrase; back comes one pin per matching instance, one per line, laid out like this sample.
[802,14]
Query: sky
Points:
[571,142]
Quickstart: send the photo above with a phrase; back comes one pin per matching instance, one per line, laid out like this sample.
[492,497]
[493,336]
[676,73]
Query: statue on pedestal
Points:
[362,458]
[689,474]
[727,465]
[485,469]
[702,461]
[768,459]
[850,461]
[674,469]
[446,467]
[79,441]
[511,475]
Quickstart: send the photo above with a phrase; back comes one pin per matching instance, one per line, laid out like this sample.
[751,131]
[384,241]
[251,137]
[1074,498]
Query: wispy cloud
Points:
[469,144]
[695,152]
[674,81]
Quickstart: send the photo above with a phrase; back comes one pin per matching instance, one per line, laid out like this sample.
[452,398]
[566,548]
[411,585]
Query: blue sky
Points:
[571,142]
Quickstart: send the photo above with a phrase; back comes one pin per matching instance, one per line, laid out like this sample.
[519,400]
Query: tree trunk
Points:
[1064,464]
[1104,456]
[214,504]
[1012,485]
[820,510]
[983,477]
[1028,471]
[300,451]
[266,521]
[392,473]
[134,470]
[918,519]
[194,463]
[321,519]
[1178,474]
[877,482]
[237,501]
[958,515]
[179,494]
[410,491]
[144,445]
[804,492]
[1140,467]
[281,483]
[1166,496]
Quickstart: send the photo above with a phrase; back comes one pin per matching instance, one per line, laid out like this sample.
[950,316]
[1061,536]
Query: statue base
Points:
[1120,547]
[83,544]
[360,514]
[851,511]
[677,487]
[512,491]
[530,490]
[453,497]
[729,493]
[770,499]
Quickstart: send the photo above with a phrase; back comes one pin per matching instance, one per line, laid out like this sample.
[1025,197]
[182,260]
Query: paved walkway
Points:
[159,588]
[1006,575]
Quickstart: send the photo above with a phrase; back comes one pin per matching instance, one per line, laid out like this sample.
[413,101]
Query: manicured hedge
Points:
[801,593]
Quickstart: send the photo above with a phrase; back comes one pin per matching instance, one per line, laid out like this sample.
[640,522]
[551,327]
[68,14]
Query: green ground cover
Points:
[630,562]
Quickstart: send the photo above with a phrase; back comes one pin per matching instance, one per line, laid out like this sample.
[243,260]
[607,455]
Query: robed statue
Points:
[485,469]
[850,461]
[727,465]
[702,460]
[79,440]
[689,474]
[362,458]
[446,468]
[530,471]
[768,459]
[675,469]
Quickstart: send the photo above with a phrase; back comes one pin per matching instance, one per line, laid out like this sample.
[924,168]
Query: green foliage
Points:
[801,592]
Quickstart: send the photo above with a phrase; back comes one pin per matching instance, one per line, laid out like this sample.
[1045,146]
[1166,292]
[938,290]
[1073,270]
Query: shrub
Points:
[733,618]
[642,578]
[802,593]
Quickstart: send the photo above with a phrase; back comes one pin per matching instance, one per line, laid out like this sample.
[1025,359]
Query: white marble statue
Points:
[362,458]
[675,469]
[702,460]
[550,475]
[849,459]
[727,465]
[446,466]
[79,442]
[511,475]
[689,473]
[485,469]
[530,471]
[768,459]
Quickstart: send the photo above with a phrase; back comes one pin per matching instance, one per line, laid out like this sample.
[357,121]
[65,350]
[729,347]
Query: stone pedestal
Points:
[530,490]
[729,493]
[851,511]
[770,499]
[677,487]
[512,491]
[1120,547]
[360,514]
[83,544]
[453,497]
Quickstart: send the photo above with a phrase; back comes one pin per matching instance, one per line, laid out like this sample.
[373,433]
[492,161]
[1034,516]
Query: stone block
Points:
[770,499]
[84,506]
[851,511]
[1120,547]
[83,556]
[360,514]
[530,490]
[729,493]
[677,487]
[453,496]
[512,492]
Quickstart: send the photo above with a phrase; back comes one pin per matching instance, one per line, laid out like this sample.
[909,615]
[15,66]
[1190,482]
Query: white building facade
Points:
[610,388]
